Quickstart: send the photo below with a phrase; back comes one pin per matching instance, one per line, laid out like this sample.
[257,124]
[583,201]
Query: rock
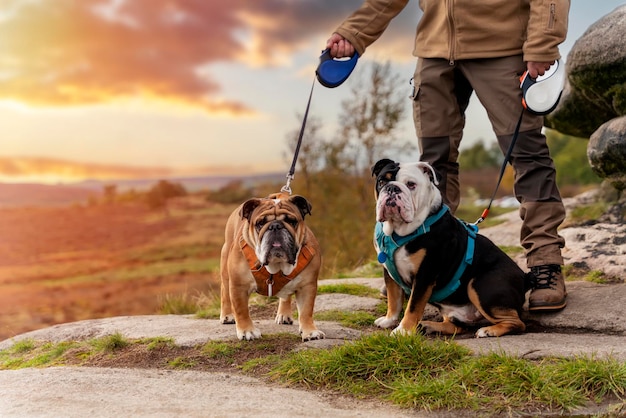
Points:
[598,246]
[607,152]
[595,91]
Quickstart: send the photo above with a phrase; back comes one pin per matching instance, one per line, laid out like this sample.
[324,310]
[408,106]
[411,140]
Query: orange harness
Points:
[269,284]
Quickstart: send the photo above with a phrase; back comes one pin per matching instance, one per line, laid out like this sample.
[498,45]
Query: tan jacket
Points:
[467,29]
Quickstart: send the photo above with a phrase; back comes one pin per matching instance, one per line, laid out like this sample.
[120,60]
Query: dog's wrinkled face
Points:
[274,228]
[405,195]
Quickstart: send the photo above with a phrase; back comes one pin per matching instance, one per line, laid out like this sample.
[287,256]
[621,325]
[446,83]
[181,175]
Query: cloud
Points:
[59,170]
[70,52]
[53,170]
[67,52]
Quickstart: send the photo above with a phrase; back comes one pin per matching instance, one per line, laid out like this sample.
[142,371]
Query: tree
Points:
[479,156]
[110,193]
[158,194]
[371,116]
[310,157]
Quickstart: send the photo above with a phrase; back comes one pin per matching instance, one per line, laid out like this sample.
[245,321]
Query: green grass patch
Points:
[220,349]
[512,250]
[203,305]
[370,269]
[182,363]
[413,371]
[157,342]
[350,319]
[348,289]
[471,213]
[572,273]
[109,343]
[596,276]
[29,354]
[582,214]
[181,304]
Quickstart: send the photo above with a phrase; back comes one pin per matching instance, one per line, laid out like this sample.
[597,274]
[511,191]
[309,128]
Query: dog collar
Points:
[388,245]
[268,284]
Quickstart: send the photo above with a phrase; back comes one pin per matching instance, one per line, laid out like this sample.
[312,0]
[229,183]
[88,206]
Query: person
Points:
[483,47]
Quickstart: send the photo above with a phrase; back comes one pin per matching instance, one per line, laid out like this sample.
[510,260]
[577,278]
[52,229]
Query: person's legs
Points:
[439,101]
[441,97]
[542,212]
[496,82]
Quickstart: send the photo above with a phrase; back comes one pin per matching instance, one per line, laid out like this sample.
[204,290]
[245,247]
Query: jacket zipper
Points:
[451,40]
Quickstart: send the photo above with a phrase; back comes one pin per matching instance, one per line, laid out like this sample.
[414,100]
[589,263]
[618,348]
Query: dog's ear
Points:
[378,167]
[248,207]
[430,171]
[302,204]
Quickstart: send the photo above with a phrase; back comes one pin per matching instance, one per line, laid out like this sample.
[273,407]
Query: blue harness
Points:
[388,245]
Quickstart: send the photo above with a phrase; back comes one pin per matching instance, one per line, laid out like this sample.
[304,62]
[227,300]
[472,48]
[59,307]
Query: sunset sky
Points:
[152,88]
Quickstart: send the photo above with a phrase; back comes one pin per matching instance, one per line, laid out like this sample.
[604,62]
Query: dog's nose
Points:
[276,226]
[392,189]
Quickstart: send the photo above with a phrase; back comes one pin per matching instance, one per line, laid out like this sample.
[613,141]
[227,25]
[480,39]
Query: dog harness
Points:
[388,245]
[268,284]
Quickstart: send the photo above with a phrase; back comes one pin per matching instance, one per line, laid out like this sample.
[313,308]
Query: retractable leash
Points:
[485,213]
[331,72]
[287,187]
[540,96]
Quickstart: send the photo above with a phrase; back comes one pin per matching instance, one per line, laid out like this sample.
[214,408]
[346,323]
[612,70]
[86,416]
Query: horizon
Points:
[129,88]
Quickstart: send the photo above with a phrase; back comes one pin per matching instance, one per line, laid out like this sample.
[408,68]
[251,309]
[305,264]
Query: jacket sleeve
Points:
[547,28]
[369,22]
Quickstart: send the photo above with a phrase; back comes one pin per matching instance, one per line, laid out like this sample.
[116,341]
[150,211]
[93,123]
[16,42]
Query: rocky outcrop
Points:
[607,152]
[593,103]
[595,90]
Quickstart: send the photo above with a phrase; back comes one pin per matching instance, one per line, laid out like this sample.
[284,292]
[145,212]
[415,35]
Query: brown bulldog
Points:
[268,249]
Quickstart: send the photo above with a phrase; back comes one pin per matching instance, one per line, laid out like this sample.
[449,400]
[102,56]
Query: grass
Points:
[109,343]
[470,213]
[409,371]
[140,272]
[348,289]
[512,251]
[369,269]
[413,371]
[357,320]
[582,214]
[27,353]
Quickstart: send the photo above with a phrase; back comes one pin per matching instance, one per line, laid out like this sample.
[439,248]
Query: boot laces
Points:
[544,277]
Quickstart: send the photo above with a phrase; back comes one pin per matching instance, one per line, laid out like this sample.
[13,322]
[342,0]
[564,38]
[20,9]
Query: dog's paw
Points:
[386,323]
[227,319]
[426,329]
[485,332]
[313,335]
[400,330]
[249,334]
[283,319]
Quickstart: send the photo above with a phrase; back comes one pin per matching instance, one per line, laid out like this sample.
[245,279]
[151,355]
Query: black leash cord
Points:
[483,216]
[287,186]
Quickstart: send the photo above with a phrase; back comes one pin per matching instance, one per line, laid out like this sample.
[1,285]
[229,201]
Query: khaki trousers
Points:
[442,94]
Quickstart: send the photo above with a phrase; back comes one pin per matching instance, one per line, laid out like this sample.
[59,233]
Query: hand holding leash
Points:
[541,95]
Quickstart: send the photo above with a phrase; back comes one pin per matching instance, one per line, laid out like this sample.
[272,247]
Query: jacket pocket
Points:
[555,15]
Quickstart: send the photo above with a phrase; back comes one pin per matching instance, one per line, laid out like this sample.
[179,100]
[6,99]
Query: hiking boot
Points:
[548,285]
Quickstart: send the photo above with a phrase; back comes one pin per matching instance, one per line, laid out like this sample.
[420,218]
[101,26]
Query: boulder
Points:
[595,90]
[607,152]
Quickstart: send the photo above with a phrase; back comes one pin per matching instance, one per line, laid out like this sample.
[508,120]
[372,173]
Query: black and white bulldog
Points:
[432,257]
